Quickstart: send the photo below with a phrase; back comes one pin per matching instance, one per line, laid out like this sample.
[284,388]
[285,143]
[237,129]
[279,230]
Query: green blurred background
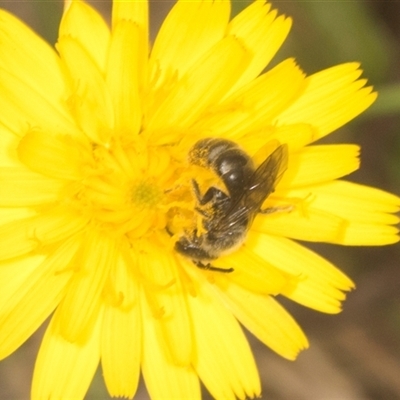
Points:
[354,355]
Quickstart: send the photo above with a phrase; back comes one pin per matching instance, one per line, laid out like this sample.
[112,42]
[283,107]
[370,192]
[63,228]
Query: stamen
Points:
[145,194]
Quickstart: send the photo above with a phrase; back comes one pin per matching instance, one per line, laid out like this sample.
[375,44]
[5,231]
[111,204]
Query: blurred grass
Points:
[340,31]
[324,33]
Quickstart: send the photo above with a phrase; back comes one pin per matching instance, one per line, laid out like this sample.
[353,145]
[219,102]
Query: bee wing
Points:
[266,177]
[261,185]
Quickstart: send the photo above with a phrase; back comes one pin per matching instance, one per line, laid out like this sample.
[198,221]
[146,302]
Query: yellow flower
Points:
[96,189]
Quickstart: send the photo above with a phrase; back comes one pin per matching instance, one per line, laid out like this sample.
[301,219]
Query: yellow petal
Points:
[190,29]
[12,214]
[367,211]
[81,305]
[55,156]
[67,4]
[15,241]
[265,319]
[136,12]
[169,304]
[359,234]
[36,298]
[27,234]
[217,71]
[121,350]
[8,144]
[303,222]
[63,369]
[85,25]
[316,164]
[121,290]
[175,326]
[121,330]
[356,202]
[320,284]
[123,77]
[254,105]
[90,101]
[31,110]
[252,272]
[163,378]
[54,226]
[22,187]
[226,367]
[12,281]
[295,136]
[262,32]
[30,58]
[333,97]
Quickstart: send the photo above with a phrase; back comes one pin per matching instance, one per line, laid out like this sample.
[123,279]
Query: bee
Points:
[227,217]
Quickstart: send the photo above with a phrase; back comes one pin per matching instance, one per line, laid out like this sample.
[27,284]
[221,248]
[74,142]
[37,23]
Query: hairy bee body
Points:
[227,160]
[227,217]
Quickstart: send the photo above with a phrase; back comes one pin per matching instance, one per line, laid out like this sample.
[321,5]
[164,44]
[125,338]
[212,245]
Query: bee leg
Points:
[196,190]
[212,195]
[268,210]
[271,210]
[209,267]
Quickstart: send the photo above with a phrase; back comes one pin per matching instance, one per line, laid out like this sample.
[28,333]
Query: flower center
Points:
[128,188]
[145,194]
